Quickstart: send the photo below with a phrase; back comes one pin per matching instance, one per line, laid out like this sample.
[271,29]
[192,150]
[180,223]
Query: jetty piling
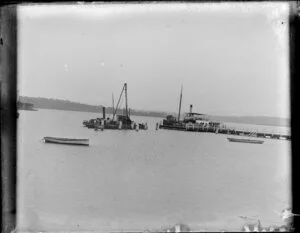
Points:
[194,127]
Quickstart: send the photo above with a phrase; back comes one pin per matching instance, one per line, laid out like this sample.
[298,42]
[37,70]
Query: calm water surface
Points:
[128,180]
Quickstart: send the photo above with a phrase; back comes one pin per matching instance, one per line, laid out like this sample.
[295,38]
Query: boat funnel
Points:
[191,108]
[103,112]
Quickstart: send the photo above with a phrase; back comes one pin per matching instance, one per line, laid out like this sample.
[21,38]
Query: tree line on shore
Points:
[67,105]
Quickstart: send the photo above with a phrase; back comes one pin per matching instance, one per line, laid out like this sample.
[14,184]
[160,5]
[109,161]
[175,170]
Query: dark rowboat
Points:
[69,141]
[245,140]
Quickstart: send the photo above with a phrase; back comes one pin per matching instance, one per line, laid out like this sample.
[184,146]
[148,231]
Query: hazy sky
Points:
[232,59]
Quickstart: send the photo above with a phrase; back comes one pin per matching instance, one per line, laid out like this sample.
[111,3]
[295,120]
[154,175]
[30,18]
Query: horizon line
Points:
[158,111]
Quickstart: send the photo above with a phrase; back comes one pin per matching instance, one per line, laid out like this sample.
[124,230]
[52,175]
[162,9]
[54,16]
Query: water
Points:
[128,180]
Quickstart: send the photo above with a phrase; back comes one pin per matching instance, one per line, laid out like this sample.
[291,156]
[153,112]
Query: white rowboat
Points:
[69,141]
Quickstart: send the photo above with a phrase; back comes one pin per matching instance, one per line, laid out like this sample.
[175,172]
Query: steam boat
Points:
[121,122]
[198,122]
[191,122]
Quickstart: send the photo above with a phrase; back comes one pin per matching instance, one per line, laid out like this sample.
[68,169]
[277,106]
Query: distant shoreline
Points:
[76,110]
[66,105]
[161,117]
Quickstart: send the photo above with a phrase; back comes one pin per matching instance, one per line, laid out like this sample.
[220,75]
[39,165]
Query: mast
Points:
[126,104]
[180,104]
[118,103]
[113,103]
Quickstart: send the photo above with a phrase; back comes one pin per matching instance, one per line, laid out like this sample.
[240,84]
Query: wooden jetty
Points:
[219,130]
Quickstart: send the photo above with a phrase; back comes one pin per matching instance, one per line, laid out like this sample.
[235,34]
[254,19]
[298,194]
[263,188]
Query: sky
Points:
[230,58]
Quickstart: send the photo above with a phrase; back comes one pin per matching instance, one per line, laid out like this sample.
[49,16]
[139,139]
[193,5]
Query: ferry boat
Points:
[191,122]
[198,122]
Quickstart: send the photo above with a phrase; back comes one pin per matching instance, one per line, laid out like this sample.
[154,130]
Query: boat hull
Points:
[116,126]
[68,141]
[245,140]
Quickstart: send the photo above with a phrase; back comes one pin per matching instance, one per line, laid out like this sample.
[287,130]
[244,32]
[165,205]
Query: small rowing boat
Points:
[245,140]
[69,141]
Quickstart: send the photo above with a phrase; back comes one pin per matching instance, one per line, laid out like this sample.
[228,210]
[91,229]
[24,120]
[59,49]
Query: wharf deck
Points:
[227,131]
